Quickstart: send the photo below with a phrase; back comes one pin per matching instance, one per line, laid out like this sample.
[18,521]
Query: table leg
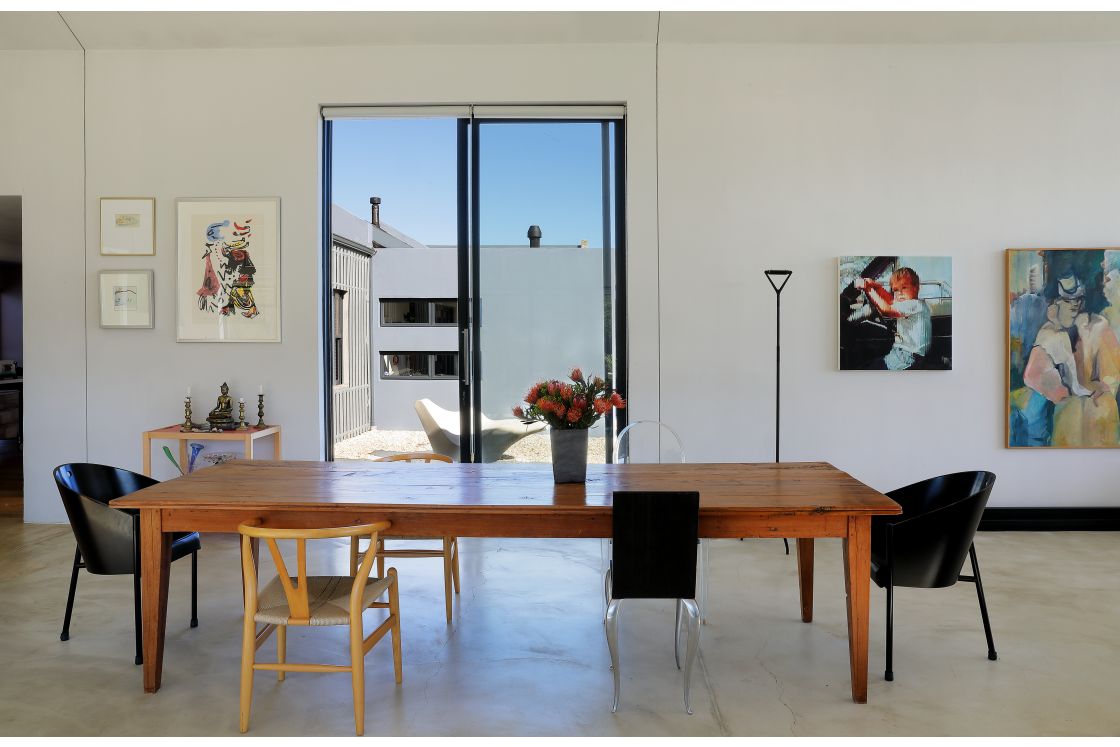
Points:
[155,557]
[857,584]
[248,447]
[805,575]
[147,455]
[183,450]
[276,444]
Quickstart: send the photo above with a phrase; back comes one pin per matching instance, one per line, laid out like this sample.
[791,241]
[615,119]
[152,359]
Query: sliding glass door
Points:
[471,253]
[543,241]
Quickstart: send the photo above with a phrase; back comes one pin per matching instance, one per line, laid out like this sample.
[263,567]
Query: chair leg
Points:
[70,599]
[395,630]
[138,620]
[358,674]
[693,611]
[353,556]
[607,589]
[888,674]
[281,649]
[248,653]
[455,562]
[447,573]
[704,581]
[194,589]
[380,558]
[677,633]
[983,606]
[786,541]
[612,644]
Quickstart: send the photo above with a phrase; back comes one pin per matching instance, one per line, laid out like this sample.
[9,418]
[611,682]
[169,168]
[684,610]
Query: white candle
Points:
[241,400]
[260,389]
[188,391]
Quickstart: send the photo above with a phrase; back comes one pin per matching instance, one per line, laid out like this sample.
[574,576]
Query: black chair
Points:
[925,546]
[653,556]
[109,538]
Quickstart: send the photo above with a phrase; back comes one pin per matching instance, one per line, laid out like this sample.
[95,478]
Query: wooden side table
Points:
[172,433]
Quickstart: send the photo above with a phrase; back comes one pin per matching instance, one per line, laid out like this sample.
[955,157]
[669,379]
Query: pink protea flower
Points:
[561,411]
[579,401]
[553,388]
[518,412]
[532,396]
[566,393]
[601,406]
[617,400]
[577,374]
[574,415]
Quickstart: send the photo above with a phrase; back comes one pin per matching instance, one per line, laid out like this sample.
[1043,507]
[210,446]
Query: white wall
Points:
[41,159]
[765,156]
[789,156]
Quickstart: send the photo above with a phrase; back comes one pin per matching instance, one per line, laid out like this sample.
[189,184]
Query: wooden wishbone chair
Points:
[449,553]
[314,601]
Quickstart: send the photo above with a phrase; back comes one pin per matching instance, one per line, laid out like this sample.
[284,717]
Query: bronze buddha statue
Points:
[221,417]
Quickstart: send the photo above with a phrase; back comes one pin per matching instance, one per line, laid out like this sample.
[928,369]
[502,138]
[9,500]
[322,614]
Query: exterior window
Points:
[421,312]
[445,365]
[425,365]
[339,327]
[404,311]
[445,311]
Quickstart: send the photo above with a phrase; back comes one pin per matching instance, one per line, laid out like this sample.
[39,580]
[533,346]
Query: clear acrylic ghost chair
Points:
[654,442]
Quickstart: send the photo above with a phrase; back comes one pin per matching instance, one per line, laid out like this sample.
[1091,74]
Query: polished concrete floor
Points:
[526,653]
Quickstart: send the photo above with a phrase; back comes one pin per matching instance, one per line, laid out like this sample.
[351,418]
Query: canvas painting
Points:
[1063,357]
[896,313]
[229,270]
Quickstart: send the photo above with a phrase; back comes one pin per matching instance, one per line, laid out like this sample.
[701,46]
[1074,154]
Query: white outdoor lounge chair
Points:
[442,427]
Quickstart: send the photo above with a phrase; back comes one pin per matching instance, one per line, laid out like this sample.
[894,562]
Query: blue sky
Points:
[548,174]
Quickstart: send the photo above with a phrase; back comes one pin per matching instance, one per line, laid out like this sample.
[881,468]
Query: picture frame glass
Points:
[126,298]
[128,226]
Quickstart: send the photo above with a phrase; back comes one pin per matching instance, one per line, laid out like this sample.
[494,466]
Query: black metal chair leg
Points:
[889,673]
[194,589]
[70,599]
[983,606]
[139,620]
[787,544]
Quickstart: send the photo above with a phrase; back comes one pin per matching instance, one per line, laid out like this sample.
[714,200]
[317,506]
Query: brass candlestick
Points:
[187,426]
[260,411]
[241,417]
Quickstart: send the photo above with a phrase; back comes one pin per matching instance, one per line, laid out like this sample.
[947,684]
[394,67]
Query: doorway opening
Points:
[11,356]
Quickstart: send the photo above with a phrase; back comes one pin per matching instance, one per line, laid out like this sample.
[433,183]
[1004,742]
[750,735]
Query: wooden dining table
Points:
[801,500]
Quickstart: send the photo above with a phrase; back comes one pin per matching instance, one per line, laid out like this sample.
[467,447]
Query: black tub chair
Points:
[109,538]
[925,546]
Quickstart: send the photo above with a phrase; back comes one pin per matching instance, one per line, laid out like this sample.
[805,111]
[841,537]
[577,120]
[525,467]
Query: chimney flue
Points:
[534,235]
[375,211]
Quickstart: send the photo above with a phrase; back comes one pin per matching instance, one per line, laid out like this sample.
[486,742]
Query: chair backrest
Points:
[297,592]
[416,456]
[654,548]
[106,536]
[929,542]
[442,426]
[642,440]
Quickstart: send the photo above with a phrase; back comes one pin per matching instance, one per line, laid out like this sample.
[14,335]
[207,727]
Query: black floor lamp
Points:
[778,280]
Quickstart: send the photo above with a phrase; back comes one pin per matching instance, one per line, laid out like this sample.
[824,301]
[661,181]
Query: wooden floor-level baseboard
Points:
[1103,519]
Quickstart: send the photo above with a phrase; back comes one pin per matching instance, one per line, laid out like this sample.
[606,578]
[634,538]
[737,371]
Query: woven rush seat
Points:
[328,599]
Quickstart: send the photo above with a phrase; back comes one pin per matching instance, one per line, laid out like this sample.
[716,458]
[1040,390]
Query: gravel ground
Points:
[378,443]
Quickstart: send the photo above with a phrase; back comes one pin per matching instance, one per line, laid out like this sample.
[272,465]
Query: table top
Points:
[173,432]
[792,487]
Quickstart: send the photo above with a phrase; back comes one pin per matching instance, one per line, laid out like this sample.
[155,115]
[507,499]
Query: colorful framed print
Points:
[228,269]
[125,298]
[128,226]
[1063,354]
[896,313]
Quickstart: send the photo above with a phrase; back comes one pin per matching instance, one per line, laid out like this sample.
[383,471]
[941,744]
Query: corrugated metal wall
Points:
[352,407]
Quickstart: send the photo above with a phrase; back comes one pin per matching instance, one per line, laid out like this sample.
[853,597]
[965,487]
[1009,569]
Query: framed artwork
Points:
[125,298]
[1063,357]
[229,269]
[896,313]
[128,226]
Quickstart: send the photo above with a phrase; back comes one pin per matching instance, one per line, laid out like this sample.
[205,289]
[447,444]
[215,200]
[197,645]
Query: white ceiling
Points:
[11,229]
[205,30]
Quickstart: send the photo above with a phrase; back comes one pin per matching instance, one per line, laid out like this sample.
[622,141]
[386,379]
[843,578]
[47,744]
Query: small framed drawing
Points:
[126,298]
[128,226]
[228,269]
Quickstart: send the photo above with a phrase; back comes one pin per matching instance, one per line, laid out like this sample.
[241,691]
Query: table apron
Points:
[471,522]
